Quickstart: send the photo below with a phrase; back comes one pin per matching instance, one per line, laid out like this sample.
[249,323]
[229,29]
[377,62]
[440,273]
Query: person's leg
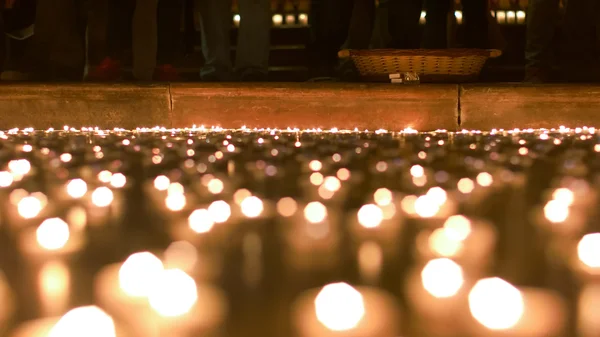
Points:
[578,53]
[253,46]
[216,25]
[169,30]
[119,34]
[542,16]
[361,25]
[475,16]
[403,22]
[436,25]
[144,28]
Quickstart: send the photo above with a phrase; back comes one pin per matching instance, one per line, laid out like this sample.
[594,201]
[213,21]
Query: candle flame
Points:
[496,304]
[339,307]
[53,234]
[88,321]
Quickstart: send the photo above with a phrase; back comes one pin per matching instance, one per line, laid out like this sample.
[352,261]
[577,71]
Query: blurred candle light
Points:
[338,309]
[76,188]
[252,207]
[54,285]
[200,221]
[102,197]
[500,309]
[29,207]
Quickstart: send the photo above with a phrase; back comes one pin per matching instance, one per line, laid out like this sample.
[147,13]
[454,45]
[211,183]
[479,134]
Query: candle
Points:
[339,309]
[54,284]
[51,239]
[83,321]
[155,301]
[500,309]
[437,293]
[312,240]
[6,301]
[470,243]
[588,319]
[587,259]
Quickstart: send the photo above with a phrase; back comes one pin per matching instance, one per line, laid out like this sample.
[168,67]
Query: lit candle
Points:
[6,301]
[437,293]
[469,243]
[154,301]
[339,309]
[586,261]
[500,309]
[83,321]
[53,238]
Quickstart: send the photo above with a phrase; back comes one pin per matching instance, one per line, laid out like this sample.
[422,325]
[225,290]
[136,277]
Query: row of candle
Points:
[386,201]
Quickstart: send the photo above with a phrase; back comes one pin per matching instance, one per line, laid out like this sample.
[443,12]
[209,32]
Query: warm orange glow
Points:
[496,304]
[484,179]
[442,278]
[332,184]
[118,180]
[19,167]
[443,244]
[408,204]
[343,174]
[465,186]
[588,250]
[417,171]
[53,234]
[240,195]
[6,179]
[173,294]
[556,211]
[200,221]
[54,284]
[162,183]
[102,197]
[564,195]
[105,176]
[370,216]
[252,207]
[315,212]
[339,307]
[383,197]
[437,195]
[181,255]
[287,206]
[315,165]
[458,227]
[84,321]
[220,211]
[29,207]
[426,206]
[316,178]
[76,188]
[215,186]
[138,272]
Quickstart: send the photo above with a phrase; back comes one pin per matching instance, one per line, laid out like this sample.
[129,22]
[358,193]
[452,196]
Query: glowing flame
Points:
[118,180]
[588,250]
[102,197]
[220,211]
[173,294]
[215,186]
[77,188]
[556,211]
[88,321]
[287,206]
[315,212]
[426,206]
[442,278]
[6,179]
[200,221]
[53,234]
[175,202]
[138,272]
[162,183]
[383,197]
[29,207]
[564,195]
[484,179]
[339,307]
[496,304]
[370,216]
[466,185]
[252,207]
[458,227]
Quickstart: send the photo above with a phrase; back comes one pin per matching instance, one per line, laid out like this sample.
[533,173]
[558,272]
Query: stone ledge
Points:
[108,106]
[314,105]
[484,107]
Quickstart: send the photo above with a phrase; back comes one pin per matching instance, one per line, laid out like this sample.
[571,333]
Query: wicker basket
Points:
[432,65]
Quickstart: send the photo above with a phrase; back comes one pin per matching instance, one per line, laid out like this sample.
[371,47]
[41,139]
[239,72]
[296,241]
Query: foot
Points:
[108,70]
[166,73]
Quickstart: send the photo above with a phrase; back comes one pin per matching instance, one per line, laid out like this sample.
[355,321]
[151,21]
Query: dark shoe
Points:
[251,75]
[166,73]
[108,70]
[537,75]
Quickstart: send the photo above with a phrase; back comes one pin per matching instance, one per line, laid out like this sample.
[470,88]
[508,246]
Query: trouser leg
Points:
[475,17]
[361,25]
[169,32]
[436,26]
[541,24]
[216,27]
[403,22]
[119,33]
[144,28]
[253,46]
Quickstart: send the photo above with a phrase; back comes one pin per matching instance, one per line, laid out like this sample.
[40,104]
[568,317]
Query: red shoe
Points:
[166,73]
[108,70]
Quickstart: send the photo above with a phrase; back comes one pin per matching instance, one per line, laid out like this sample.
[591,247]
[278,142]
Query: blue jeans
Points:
[253,45]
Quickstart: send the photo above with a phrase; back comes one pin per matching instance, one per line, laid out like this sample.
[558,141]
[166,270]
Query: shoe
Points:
[166,73]
[253,76]
[108,70]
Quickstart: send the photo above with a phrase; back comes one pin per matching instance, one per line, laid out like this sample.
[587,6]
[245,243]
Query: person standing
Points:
[542,16]
[253,45]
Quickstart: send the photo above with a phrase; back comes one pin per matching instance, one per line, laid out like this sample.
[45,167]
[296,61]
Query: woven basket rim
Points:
[455,52]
